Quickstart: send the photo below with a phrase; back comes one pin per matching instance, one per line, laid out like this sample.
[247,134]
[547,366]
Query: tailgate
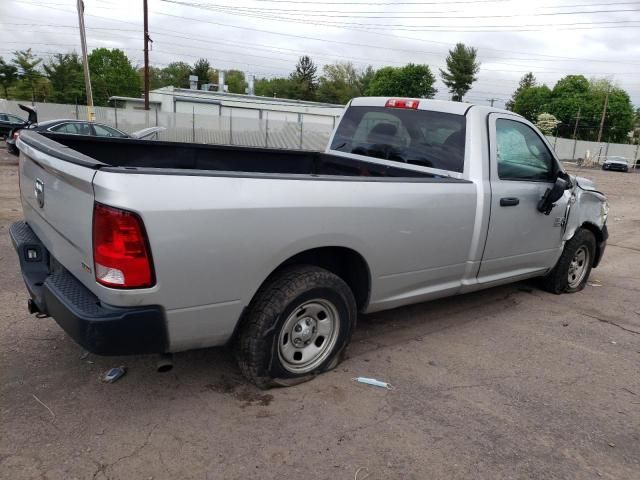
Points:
[57,199]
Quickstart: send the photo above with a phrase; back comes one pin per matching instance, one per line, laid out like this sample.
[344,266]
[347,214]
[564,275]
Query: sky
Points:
[550,38]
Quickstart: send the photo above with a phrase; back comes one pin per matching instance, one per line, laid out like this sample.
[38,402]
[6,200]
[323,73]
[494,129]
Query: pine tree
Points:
[461,70]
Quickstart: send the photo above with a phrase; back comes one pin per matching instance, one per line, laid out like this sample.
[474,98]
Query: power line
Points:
[387,16]
[559,57]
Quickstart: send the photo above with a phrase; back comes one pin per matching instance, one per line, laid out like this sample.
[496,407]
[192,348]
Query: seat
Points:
[382,133]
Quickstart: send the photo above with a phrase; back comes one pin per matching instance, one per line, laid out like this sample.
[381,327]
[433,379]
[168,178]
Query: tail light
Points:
[402,103]
[16,134]
[121,253]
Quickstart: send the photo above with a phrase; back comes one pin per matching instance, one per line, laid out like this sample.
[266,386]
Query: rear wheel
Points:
[574,266]
[297,326]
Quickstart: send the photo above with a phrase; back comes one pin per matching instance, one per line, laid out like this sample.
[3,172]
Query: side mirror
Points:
[552,195]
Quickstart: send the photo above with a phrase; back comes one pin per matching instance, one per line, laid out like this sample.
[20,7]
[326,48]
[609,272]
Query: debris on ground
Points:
[365,470]
[595,283]
[374,382]
[114,374]
[44,405]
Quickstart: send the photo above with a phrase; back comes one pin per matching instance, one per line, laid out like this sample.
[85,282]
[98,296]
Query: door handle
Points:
[509,201]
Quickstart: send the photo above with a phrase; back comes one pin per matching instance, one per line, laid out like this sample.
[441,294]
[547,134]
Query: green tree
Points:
[112,74]
[408,81]
[527,81]
[461,70]
[532,101]
[619,118]
[155,77]
[201,70]
[636,128]
[339,83]
[575,93]
[364,79]
[66,78]
[28,72]
[8,76]
[235,81]
[305,79]
[176,74]
[276,87]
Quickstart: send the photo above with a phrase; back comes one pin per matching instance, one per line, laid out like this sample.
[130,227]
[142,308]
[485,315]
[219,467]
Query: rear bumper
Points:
[99,328]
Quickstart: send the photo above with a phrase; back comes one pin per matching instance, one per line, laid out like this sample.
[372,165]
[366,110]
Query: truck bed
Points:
[133,153]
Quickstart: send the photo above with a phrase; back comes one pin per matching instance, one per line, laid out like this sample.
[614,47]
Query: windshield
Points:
[419,137]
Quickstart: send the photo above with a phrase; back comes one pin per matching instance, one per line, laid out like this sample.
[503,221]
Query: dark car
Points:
[616,163]
[79,127]
[8,122]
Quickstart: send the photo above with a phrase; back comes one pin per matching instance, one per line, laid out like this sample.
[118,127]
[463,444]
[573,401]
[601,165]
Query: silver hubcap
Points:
[308,336]
[578,267]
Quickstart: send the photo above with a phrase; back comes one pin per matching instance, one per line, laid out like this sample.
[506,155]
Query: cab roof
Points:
[445,106]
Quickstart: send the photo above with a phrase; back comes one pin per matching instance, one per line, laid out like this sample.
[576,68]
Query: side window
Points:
[63,128]
[72,128]
[104,131]
[521,153]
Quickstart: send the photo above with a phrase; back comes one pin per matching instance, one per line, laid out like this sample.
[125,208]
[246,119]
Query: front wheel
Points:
[297,326]
[574,266]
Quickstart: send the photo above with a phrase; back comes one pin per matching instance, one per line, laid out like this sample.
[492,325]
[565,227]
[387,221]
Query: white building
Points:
[182,100]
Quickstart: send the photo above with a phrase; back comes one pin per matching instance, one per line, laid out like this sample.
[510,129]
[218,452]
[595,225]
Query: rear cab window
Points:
[418,137]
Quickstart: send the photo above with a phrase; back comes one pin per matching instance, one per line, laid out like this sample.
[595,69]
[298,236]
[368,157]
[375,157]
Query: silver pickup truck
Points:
[140,246]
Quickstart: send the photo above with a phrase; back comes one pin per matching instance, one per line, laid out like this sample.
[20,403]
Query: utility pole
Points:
[575,131]
[146,55]
[91,114]
[491,100]
[604,113]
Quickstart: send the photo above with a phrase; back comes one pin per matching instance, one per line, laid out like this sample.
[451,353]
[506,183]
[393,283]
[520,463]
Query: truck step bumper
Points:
[99,328]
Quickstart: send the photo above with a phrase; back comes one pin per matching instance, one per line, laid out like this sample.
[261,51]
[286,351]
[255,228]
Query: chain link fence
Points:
[195,128]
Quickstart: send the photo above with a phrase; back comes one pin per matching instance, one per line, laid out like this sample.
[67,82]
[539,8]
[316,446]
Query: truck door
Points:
[521,240]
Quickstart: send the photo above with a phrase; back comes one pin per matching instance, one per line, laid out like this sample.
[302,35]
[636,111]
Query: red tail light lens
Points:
[402,103]
[15,134]
[121,254]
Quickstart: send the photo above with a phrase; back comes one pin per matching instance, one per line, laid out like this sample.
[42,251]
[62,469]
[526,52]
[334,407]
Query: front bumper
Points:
[615,166]
[99,328]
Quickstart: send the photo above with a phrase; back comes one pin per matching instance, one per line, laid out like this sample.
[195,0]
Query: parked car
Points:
[8,122]
[79,127]
[620,164]
[11,134]
[154,247]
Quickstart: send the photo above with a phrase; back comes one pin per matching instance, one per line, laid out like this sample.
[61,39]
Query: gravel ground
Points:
[510,382]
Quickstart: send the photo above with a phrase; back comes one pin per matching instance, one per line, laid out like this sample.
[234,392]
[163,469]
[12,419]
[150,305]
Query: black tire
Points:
[257,349]
[557,280]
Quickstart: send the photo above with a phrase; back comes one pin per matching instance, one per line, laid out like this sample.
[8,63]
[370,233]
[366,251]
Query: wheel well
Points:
[347,264]
[599,238]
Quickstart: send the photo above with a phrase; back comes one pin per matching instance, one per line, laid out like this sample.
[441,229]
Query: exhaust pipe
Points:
[165,363]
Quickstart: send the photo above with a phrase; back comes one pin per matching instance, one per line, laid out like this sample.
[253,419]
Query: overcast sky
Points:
[265,37]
